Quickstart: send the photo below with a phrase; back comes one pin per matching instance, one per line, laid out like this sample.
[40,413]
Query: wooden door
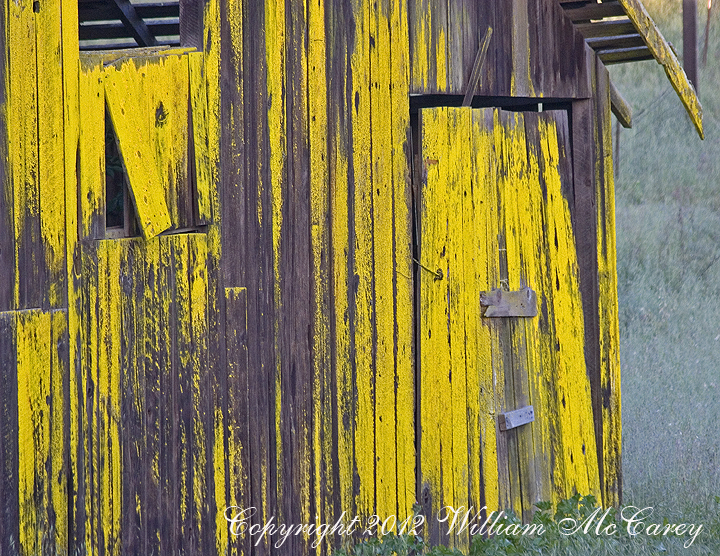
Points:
[494,213]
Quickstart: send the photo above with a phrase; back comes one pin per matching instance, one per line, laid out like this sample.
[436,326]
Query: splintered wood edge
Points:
[664,56]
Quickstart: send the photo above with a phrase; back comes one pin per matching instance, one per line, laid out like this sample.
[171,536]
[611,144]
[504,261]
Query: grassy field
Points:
[668,236]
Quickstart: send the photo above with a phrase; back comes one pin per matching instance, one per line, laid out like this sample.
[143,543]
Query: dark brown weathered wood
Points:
[132,384]
[233,387]
[616,42]
[610,28]
[9,508]
[477,67]
[135,24]
[621,109]
[594,10]
[690,57]
[191,23]
[621,55]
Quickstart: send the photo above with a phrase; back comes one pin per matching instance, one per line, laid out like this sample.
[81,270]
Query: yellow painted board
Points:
[403,268]
[51,149]
[23,151]
[575,418]
[382,260]
[134,101]
[485,211]
[435,449]
[203,159]
[339,161]
[91,145]
[322,434]
[35,422]
[532,245]
[509,263]
[211,60]
[362,242]
[108,466]
[458,188]
[71,77]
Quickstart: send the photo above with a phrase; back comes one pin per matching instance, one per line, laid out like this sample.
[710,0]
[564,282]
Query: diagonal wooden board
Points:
[665,56]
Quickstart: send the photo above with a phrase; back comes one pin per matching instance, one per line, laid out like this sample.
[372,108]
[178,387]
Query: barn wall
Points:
[262,355]
[316,177]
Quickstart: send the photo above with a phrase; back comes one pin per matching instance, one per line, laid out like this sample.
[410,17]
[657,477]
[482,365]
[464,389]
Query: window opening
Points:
[122,24]
[119,213]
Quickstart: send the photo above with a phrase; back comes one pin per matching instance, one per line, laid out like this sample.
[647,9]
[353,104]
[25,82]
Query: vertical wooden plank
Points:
[340,179]
[361,241]
[402,253]
[521,240]
[237,429]
[51,151]
[7,232]
[203,159]
[58,442]
[87,412]
[429,46]
[435,444]
[108,467]
[154,349]
[75,390]
[169,522]
[9,435]
[91,145]
[322,303]
[30,269]
[296,297]
[609,338]
[200,388]
[501,361]
[509,258]
[382,262]
[232,108]
[480,270]
[35,477]
[521,78]
[134,451]
[180,443]
[278,35]
[455,437]
[575,417]
[533,247]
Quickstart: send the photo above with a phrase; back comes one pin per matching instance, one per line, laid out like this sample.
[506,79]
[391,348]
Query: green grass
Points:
[668,237]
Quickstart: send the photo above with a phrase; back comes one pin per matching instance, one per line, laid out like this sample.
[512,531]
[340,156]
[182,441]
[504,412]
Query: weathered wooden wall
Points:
[256,345]
[535,51]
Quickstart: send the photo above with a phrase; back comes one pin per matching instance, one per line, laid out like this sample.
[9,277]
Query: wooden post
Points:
[690,40]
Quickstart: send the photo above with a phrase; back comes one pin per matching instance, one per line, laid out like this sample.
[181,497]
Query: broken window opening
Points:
[120,218]
[124,24]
